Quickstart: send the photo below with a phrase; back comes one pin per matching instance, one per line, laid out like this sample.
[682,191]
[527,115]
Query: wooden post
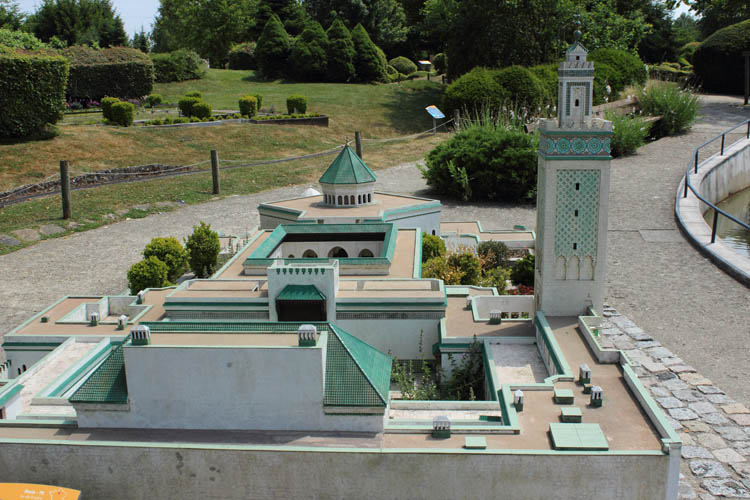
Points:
[457,120]
[65,189]
[215,170]
[358,143]
[747,76]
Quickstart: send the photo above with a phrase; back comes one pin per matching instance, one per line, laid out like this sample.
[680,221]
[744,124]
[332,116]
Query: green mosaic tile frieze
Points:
[107,384]
[575,145]
[577,214]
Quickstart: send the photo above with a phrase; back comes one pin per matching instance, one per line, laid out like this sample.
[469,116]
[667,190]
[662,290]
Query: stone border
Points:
[690,217]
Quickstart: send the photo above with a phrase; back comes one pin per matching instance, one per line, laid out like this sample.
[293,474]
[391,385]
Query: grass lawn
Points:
[379,111]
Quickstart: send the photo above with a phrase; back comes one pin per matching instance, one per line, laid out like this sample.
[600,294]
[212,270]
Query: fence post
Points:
[686,183]
[215,170]
[457,120]
[722,145]
[713,230]
[358,143]
[65,189]
[696,161]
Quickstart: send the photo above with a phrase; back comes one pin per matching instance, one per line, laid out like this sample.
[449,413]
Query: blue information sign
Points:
[435,112]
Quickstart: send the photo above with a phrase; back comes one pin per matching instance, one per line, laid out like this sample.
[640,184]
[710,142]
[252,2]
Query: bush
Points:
[606,76]
[20,39]
[170,251]
[468,265]
[629,66]
[242,56]
[525,90]
[340,53]
[201,110]
[687,51]
[148,273]
[493,254]
[440,63]
[547,76]
[630,133]
[473,91]
[203,250]
[122,113]
[497,278]
[296,103]
[259,99]
[272,49]
[194,93]
[432,246]
[678,108]
[438,268]
[718,60]
[154,100]
[392,73]
[308,56]
[403,65]
[106,104]
[32,92]
[522,272]
[178,66]
[484,162]
[186,105]
[369,60]
[249,106]
[117,71]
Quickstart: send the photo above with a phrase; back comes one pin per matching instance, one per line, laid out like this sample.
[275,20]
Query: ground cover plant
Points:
[678,108]
[630,133]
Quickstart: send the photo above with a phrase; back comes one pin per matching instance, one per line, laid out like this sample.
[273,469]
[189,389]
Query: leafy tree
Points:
[272,49]
[495,278]
[148,273]
[203,250]
[493,254]
[340,53]
[141,41]
[20,40]
[170,251]
[522,272]
[369,60]
[10,15]
[686,29]
[79,22]
[309,54]
[432,246]
[437,267]
[291,13]
[469,266]
[660,44]
[716,14]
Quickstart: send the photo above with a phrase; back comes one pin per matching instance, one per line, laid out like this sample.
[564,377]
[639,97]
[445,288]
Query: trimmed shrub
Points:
[369,60]
[154,100]
[203,250]
[32,92]
[392,73]
[340,53]
[484,162]
[296,103]
[440,63]
[493,254]
[687,51]
[629,66]
[522,272]
[122,113]
[630,133]
[178,66]
[403,65]
[718,60]
[606,76]
[432,246]
[308,56]
[524,88]
[468,265]
[678,108]
[170,251]
[201,110]
[148,273]
[260,100]
[194,93]
[473,91]
[186,105]
[117,71]
[248,106]
[547,75]
[272,49]
[106,104]
[242,56]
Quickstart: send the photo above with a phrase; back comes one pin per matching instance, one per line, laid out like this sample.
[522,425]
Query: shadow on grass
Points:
[406,111]
[49,132]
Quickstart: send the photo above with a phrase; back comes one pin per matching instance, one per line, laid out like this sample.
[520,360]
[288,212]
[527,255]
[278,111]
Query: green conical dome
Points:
[347,168]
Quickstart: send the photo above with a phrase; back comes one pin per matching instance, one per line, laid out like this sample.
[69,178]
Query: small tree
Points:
[203,250]
[468,264]
[432,246]
[272,49]
[523,271]
[340,53]
[493,254]
[171,252]
[296,103]
[309,54]
[148,273]
[369,60]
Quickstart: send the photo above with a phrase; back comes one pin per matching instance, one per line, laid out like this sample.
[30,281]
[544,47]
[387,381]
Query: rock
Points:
[681,368]
[682,414]
[703,407]
[659,352]
[742,447]
[726,488]
[653,367]
[720,399]
[623,342]
[673,361]
[622,321]
[664,376]
[743,469]
[8,241]
[731,433]
[710,440]
[688,395]
[675,384]
[709,389]
[728,455]
[696,452]
[50,229]
[715,419]
[695,379]
[686,491]
[27,234]
[637,334]
[708,468]
[660,392]
[697,426]
[647,344]
[742,419]
[670,402]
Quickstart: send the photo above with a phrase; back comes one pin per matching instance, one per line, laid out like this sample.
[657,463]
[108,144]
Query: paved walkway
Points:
[682,303]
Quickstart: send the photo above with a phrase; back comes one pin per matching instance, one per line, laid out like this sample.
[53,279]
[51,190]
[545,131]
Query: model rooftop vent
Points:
[121,322]
[140,335]
[596,396]
[584,374]
[141,296]
[94,319]
[307,335]
[496,317]
[468,301]
[518,399]
[441,426]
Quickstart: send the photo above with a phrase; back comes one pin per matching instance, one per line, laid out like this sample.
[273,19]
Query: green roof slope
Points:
[300,292]
[347,168]
[107,384]
[357,374]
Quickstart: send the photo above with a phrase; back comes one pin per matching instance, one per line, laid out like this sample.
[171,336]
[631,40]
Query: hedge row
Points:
[32,92]
[118,71]
[718,60]
[177,66]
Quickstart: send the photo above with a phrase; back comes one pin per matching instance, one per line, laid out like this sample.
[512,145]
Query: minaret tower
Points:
[572,195]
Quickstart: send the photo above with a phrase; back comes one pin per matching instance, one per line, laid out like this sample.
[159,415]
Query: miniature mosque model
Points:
[296,336]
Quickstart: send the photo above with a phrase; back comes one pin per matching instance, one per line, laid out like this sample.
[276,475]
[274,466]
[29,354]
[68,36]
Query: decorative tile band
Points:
[575,146]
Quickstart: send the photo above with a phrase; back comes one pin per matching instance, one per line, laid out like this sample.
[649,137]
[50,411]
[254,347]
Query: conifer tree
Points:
[369,60]
[272,49]
[340,53]
[309,53]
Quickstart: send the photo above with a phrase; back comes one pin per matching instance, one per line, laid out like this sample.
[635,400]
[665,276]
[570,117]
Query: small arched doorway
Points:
[338,253]
[309,254]
[366,252]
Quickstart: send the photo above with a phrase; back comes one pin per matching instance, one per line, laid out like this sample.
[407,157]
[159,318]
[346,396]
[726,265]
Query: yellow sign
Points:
[22,491]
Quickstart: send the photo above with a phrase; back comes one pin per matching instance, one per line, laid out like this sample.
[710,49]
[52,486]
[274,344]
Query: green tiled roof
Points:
[357,374]
[107,384]
[578,437]
[300,292]
[347,168]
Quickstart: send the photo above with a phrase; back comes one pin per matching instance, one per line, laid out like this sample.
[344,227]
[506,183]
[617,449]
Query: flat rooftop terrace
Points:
[459,322]
[313,206]
[474,228]
[259,339]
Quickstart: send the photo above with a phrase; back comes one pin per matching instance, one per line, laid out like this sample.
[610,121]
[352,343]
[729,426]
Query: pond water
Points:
[734,235]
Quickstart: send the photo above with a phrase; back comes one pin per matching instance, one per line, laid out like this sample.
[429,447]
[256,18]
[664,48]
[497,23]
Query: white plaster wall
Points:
[399,337]
[26,357]
[227,388]
[350,190]
[13,407]
[426,222]
[137,472]
[327,283]
[730,175]
[321,248]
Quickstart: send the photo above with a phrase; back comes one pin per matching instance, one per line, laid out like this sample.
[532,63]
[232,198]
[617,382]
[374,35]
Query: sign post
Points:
[436,114]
